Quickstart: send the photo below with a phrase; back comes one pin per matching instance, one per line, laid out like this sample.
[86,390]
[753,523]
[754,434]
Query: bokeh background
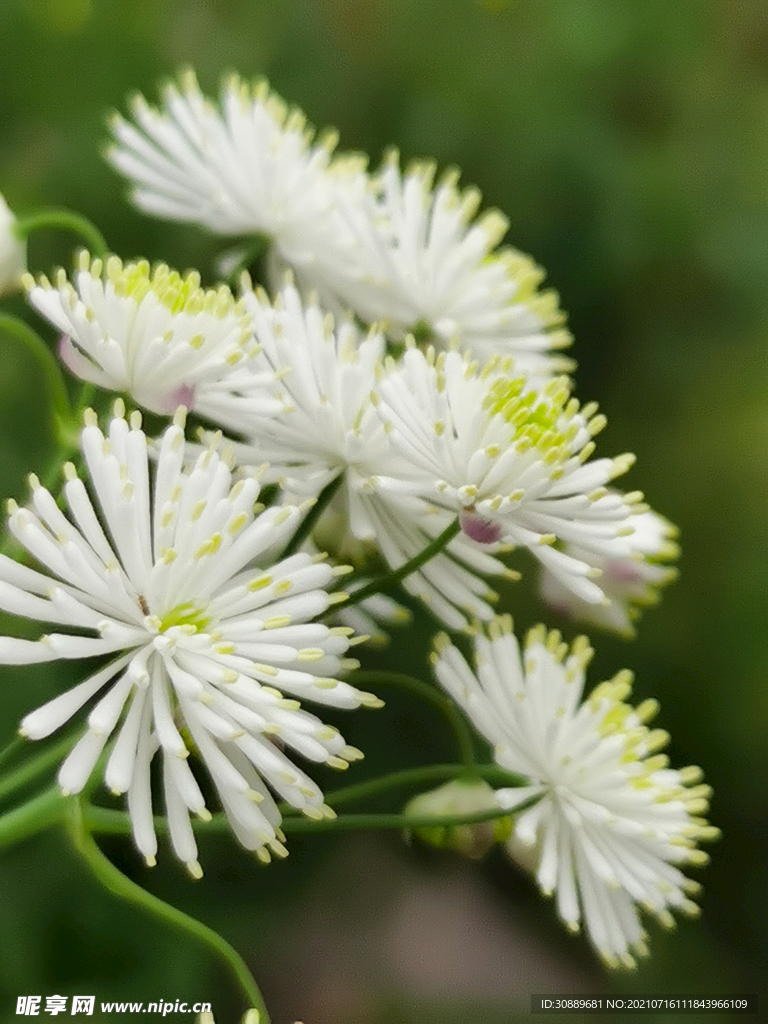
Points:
[628,144]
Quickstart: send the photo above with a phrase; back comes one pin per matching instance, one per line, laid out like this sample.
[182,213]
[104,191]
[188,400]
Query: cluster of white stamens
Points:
[417,389]
[611,821]
[512,461]
[170,572]
[158,336]
[249,168]
[393,246]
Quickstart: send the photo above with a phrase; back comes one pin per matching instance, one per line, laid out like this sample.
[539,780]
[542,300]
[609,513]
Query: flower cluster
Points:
[395,393]
[612,822]
[390,245]
[169,574]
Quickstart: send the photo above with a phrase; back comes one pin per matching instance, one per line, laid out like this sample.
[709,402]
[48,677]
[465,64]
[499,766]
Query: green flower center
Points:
[186,614]
[537,416]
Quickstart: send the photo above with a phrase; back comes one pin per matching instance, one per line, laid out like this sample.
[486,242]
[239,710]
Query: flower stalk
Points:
[123,887]
[47,362]
[453,717]
[64,220]
[391,580]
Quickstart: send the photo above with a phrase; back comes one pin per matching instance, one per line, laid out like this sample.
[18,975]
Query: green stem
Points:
[392,579]
[107,822]
[443,703]
[234,261]
[66,220]
[47,361]
[366,822]
[85,398]
[38,814]
[68,438]
[8,751]
[310,519]
[114,880]
[38,764]
[112,822]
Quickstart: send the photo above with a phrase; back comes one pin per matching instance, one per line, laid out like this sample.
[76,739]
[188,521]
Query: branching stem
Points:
[380,586]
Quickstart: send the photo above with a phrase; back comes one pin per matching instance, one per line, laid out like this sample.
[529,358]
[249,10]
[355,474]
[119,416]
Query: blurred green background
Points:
[628,144]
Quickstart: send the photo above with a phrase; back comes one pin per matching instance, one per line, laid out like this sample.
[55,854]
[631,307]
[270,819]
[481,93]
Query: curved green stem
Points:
[47,361]
[443,703]
[35,766]
[68,437]
[66,220]
[393,578]
[37,815]
[114,880]
[310,519]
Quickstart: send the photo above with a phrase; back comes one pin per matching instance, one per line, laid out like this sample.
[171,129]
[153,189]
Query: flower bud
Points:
[455,798]
[13,252]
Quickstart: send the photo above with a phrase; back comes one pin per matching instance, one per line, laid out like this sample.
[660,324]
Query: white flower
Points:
[328,430]
[411,255]
[392,246]
[327,369]
[13,252]
[631,583]
[247,168]
[612,822]
[510,460]
[159,573]
[158,336]
[373,616]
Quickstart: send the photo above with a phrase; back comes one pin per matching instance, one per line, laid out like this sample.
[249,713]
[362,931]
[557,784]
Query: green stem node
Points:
[422,776]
